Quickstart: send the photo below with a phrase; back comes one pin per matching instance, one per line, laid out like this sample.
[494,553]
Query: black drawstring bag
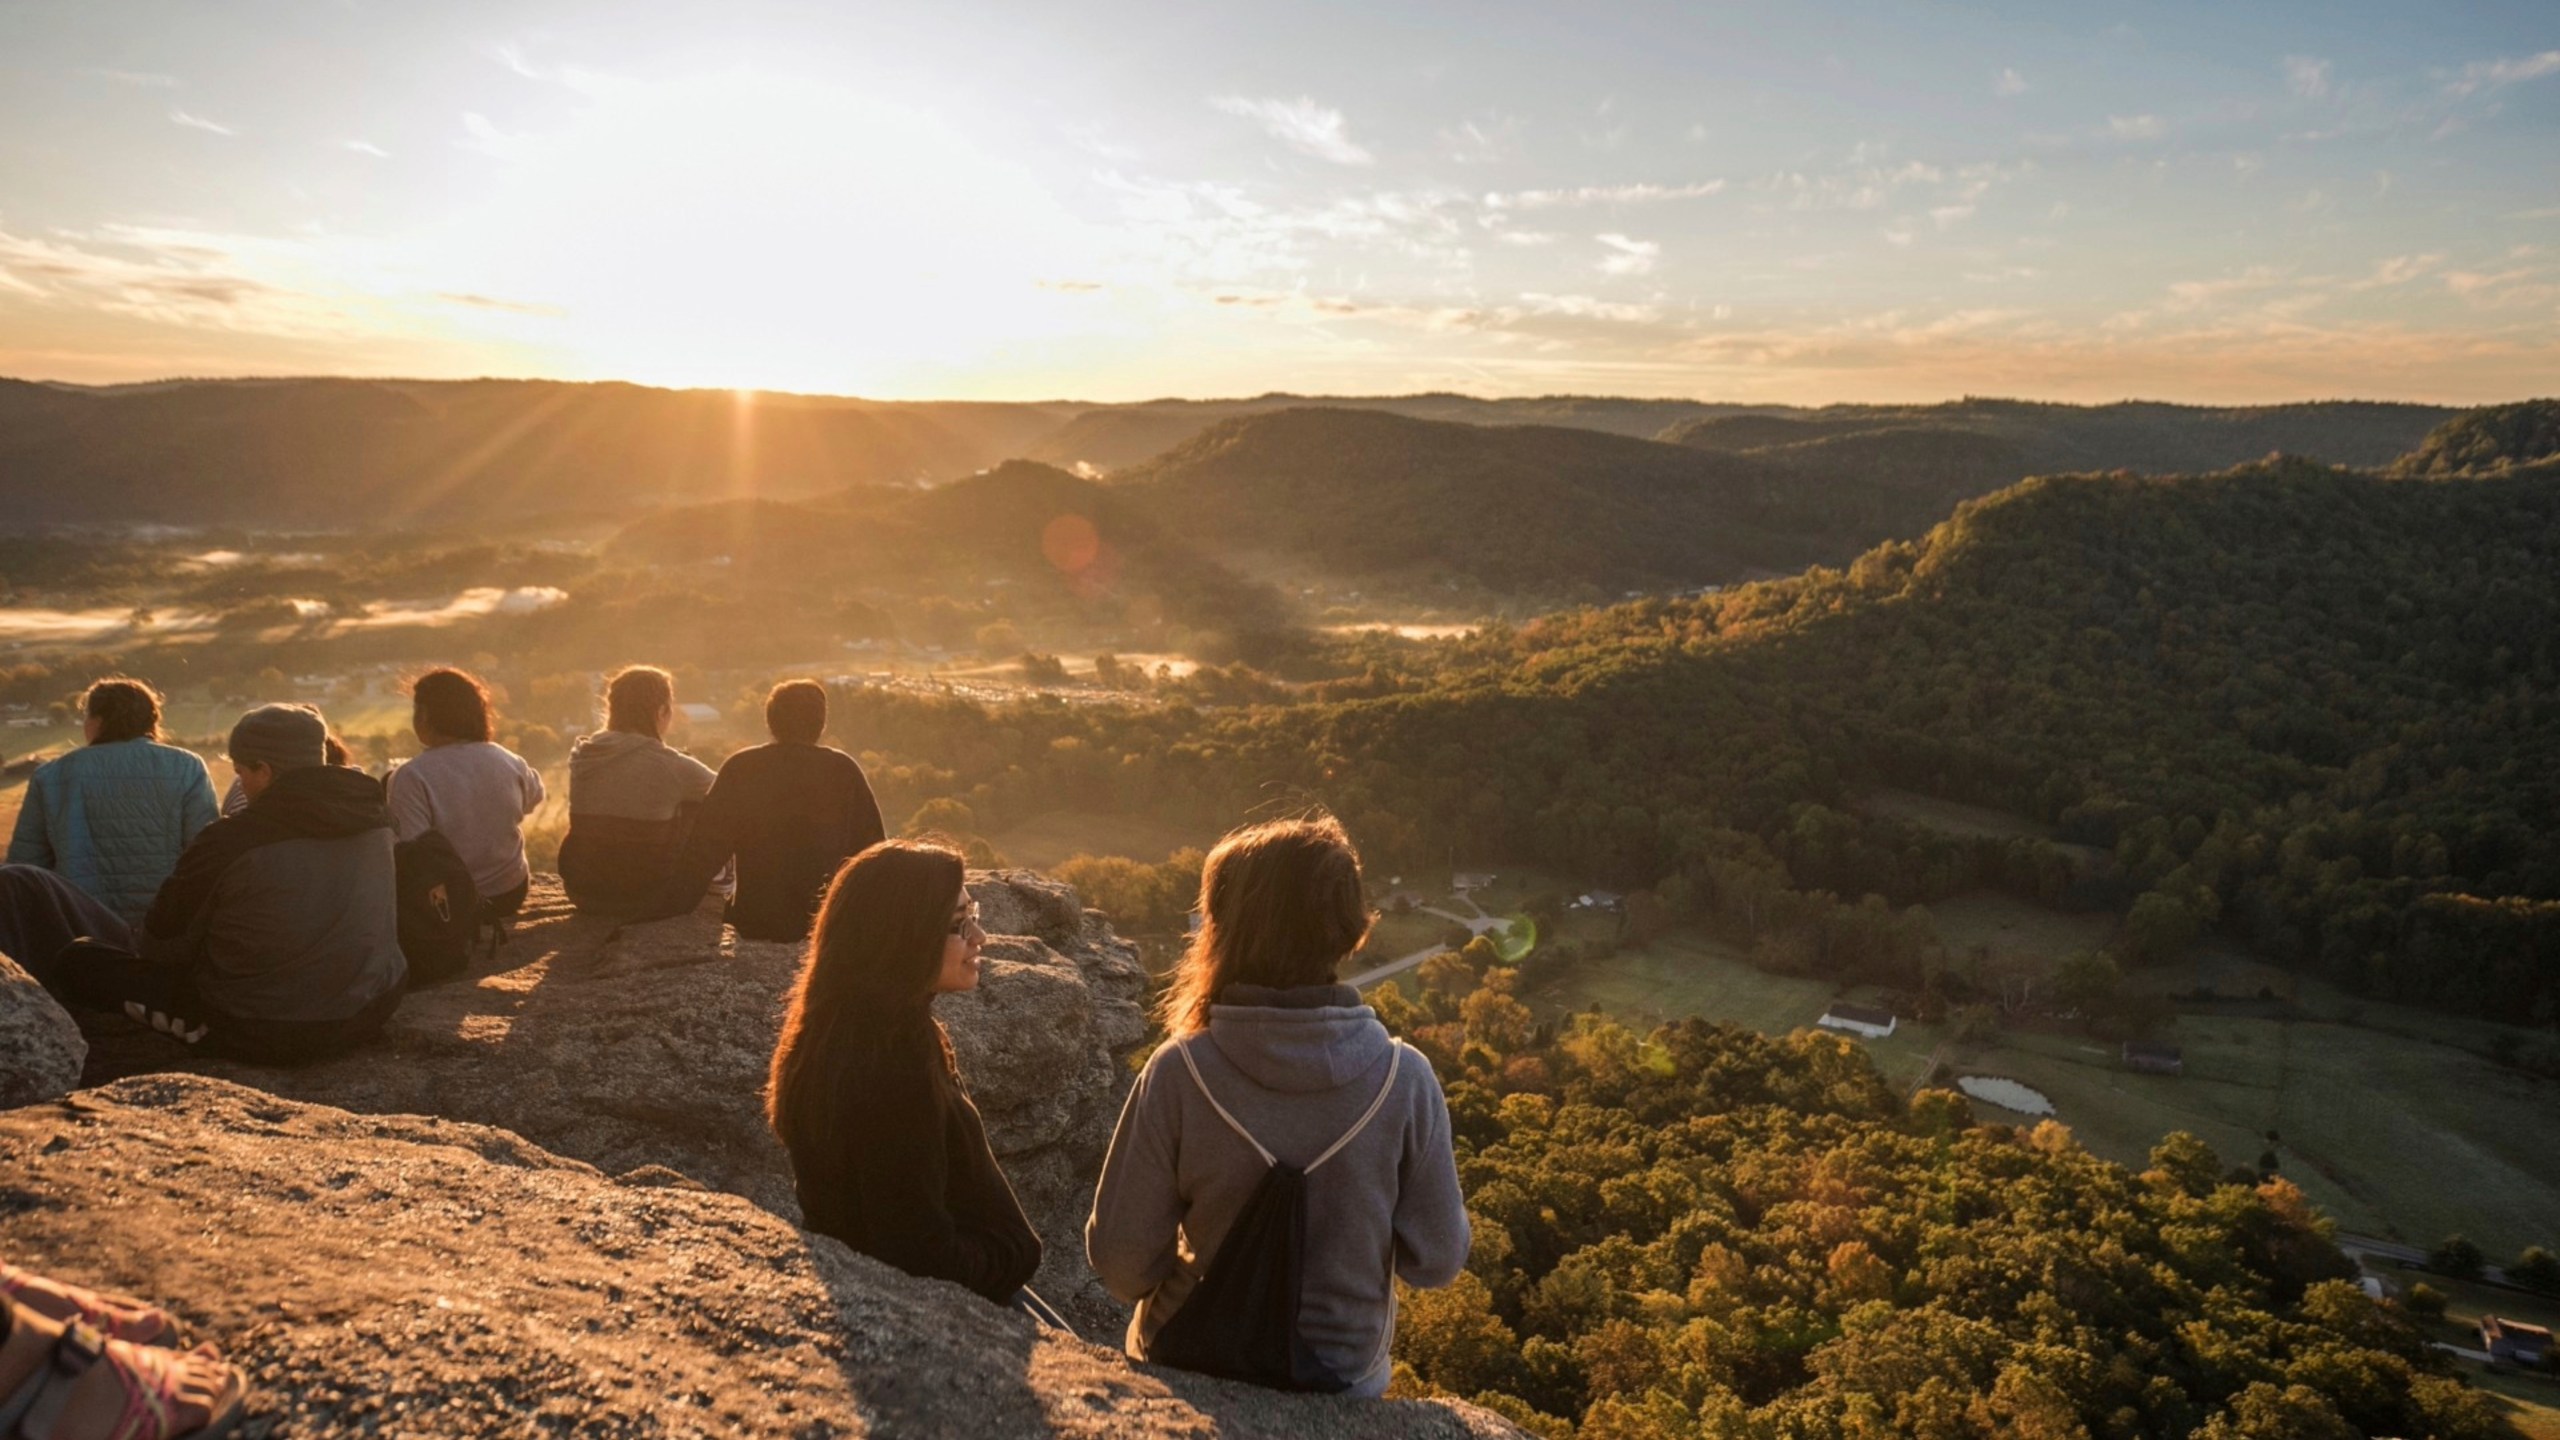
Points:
[1241,1321]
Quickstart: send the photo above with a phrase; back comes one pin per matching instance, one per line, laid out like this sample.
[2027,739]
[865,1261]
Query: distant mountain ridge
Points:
[348,453]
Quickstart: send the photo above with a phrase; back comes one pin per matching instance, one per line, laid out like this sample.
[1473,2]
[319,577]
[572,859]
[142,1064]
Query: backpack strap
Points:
[1395,1062]
[1232,1122]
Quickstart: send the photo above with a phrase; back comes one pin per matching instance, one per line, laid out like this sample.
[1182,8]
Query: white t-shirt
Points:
[477,792]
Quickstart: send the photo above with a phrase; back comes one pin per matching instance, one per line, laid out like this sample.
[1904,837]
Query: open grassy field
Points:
[2005,925]
[1971,822]
[2531,1404]
[1396,936]
[2394,1134]
[1048,839]
[1951,817]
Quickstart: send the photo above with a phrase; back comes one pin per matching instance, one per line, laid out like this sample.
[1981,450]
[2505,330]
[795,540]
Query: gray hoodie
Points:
[623,775]
[1296,1068]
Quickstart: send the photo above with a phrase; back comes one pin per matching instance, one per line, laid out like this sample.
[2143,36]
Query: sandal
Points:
[150,1379]
[118,1317]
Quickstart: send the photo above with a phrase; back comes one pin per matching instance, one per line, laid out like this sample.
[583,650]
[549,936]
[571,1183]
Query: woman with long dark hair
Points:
[1271,1062]
[890,1155]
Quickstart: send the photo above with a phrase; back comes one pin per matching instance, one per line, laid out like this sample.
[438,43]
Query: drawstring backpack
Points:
[1241,1321]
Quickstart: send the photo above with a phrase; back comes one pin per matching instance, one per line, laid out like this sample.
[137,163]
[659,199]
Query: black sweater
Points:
[791,813]
[909,1179]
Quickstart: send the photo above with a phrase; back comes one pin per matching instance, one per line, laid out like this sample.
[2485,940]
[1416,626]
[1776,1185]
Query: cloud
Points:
[2009,83]
[145,79]
[2306,76]
[1628,257]
[2482,75]
[2136,127]
[2197,294]
[1642,194]
[1585,307]
[1302,125]
[2398,270]
[1481,142]
[366,147]
[198,122]
[1527,238]
[511,307]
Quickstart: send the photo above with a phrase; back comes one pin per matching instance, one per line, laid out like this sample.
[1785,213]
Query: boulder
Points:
[633,1046]
[41,1050]
[402,1275]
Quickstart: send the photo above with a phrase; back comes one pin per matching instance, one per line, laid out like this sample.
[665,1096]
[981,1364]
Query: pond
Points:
[2006,1093]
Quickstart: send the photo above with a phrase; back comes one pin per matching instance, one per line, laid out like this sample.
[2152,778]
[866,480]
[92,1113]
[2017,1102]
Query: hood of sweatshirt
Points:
[605,750]
[320,802]
[1299,1041]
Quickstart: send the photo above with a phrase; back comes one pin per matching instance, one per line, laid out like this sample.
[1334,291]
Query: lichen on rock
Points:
[41,1049]
[644,1047]
[406,1275]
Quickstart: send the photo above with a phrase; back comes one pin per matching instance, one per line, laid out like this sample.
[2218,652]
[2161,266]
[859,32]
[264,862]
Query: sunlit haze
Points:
[1115,200]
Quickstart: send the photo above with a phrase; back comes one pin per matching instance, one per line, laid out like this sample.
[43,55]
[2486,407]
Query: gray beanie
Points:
[288,737]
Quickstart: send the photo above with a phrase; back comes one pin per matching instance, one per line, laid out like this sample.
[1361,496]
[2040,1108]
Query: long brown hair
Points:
[872,961]
[1280,904]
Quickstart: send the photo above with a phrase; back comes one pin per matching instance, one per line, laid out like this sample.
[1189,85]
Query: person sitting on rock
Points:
[112,816]
[889,1153]
[1271,1062]
[467,787]
[276,937]
[631,801]
[77,1364]
[790,813]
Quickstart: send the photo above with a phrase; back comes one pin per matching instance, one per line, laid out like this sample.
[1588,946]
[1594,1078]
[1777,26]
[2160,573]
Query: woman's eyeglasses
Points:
[966,921]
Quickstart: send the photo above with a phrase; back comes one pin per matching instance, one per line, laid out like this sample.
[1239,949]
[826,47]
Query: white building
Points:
[1859,1020]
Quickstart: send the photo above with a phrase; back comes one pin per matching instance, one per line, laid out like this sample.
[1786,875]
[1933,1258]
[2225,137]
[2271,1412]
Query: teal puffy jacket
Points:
[112,818]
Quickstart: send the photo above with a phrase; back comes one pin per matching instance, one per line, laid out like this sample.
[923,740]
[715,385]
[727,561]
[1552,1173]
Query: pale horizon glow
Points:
[1138,200]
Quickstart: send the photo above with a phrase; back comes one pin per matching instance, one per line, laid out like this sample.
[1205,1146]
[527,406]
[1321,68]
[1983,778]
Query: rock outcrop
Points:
[401,1275]
[41,1050]
[643,1047]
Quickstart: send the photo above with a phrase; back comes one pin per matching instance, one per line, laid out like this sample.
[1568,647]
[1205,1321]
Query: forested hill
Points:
[1707,1232]
[2317,707]
[1363,495]
[1060,546]
[2153,438]
[2489,439]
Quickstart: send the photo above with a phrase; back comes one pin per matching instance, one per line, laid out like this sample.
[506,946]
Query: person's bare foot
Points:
[195,1384]
[119,1316]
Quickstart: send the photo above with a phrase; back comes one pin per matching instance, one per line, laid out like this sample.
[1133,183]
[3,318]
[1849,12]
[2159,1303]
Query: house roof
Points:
[2492,1327]
[1859,1015]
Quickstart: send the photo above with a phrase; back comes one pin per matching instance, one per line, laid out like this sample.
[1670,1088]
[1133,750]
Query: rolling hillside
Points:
[1051,542]
[1370,497]
[348,453]
[2151,438]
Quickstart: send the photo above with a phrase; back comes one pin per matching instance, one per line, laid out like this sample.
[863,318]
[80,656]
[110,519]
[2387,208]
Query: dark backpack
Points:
[1241,1321]
[439,909]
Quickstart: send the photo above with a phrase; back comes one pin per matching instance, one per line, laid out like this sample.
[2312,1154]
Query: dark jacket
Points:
[791,814]
[632,798]
[287,910]
[907,1177]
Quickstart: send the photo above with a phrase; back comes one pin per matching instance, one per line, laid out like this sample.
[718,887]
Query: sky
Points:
[1122,199]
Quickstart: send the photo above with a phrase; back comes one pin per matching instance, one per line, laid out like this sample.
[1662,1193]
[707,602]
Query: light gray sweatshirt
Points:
[1296,1068]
